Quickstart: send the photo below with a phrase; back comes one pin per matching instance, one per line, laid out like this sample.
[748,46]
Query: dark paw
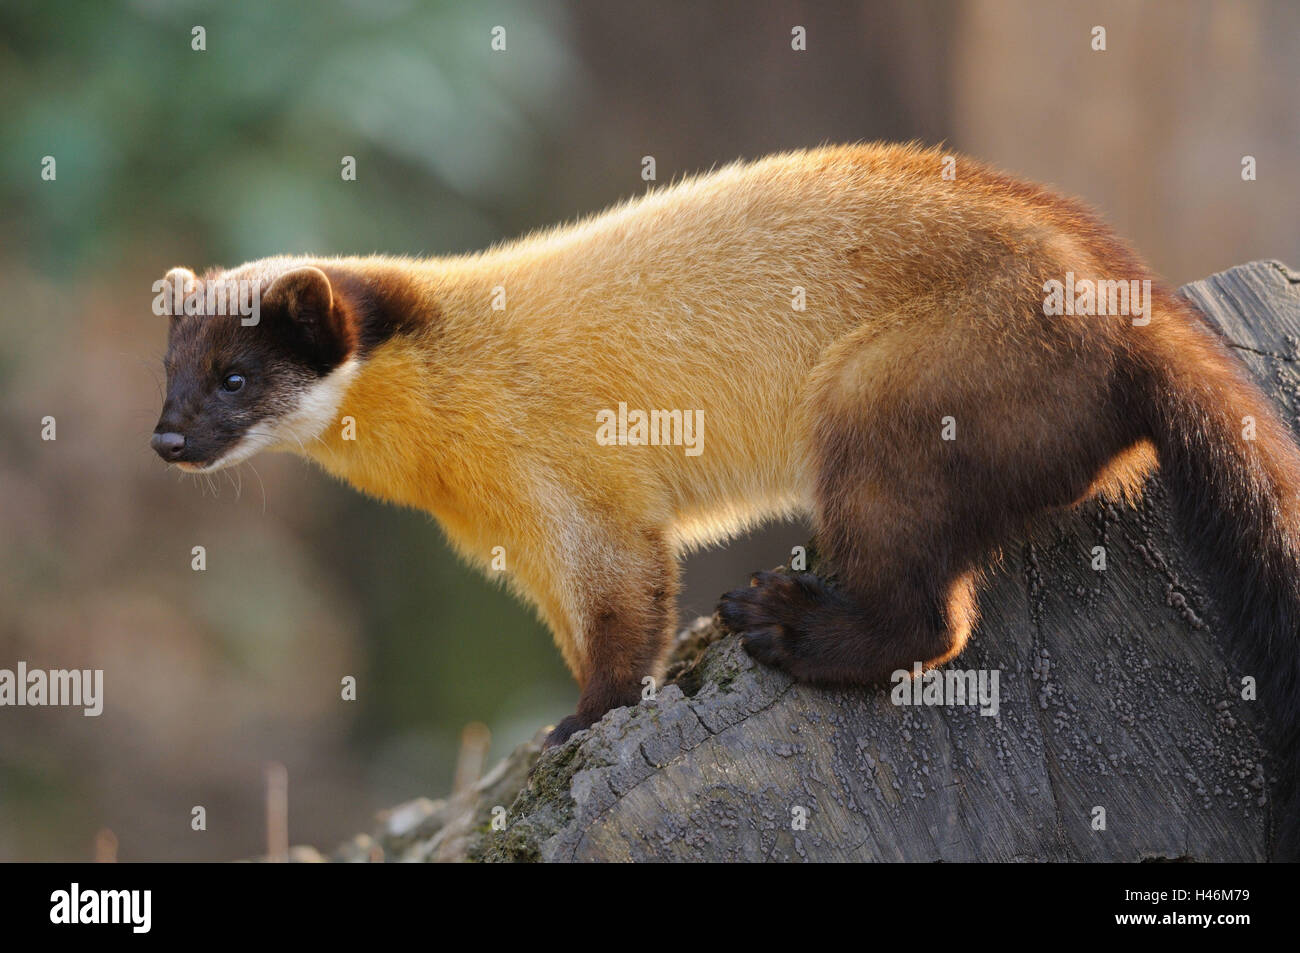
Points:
[773,617]
[564,730]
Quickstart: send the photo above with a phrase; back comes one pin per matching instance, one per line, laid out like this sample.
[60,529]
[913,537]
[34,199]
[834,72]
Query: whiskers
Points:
[260,484]
[203,479]
[251,443]
[208,482]
[235,476]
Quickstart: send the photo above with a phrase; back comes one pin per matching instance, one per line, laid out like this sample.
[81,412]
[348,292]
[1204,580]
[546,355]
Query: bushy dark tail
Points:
[1233,469]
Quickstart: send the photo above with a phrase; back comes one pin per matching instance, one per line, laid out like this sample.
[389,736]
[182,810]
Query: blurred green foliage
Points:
[235,151]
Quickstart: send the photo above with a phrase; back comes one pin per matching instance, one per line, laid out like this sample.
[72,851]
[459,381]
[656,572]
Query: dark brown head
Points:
[258,357]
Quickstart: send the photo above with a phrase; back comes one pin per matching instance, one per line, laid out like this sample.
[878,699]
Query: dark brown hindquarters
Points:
[933,446]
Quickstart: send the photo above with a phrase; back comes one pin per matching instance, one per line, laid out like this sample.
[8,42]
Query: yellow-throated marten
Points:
[854,334]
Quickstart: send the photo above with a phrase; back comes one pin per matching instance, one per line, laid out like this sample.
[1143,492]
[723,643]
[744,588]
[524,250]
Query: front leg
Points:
[626,622]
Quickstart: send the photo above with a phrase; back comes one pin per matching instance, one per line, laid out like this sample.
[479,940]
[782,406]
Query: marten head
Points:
[257,358]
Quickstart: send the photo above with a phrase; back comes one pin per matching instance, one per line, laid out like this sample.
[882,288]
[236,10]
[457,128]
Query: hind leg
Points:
[865,625]
[908,518]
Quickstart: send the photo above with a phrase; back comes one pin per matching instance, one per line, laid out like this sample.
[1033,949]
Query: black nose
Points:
[169,445]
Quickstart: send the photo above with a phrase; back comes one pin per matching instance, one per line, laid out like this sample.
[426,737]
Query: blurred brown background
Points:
[170,156]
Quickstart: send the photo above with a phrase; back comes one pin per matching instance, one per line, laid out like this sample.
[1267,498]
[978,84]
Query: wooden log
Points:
[1117,698]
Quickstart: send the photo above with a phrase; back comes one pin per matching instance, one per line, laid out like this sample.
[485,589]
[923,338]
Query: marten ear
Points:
[179,283]
[307,300]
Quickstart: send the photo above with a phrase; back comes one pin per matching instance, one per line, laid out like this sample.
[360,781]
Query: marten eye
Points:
[232,382]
